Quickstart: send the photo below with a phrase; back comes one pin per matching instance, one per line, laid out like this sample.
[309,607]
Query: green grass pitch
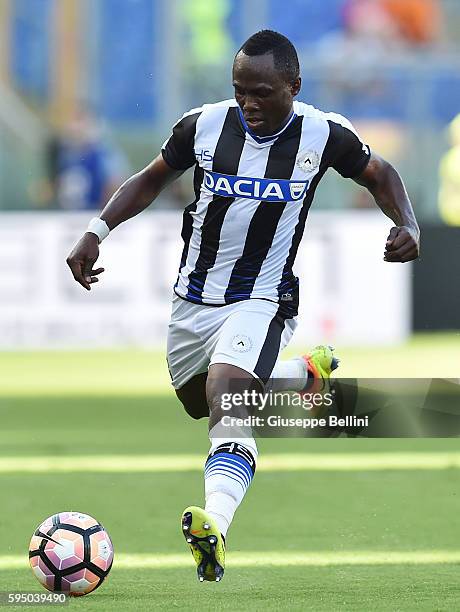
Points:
[329,540]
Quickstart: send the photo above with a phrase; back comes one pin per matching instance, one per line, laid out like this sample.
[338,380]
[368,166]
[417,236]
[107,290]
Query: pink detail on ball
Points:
[79,519]
[101,550]
[80,583]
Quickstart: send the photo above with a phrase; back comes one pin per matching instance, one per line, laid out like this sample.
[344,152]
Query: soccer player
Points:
[258,159]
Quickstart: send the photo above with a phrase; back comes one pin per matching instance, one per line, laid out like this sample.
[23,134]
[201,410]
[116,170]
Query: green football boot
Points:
[206,543]
[320,362]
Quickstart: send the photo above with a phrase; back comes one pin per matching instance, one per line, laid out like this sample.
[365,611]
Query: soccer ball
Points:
[71,552]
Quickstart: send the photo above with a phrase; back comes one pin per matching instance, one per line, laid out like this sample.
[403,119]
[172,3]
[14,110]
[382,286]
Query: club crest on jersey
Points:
[268,190]
[308,161]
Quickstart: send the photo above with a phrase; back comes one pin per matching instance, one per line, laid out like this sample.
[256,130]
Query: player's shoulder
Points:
[313,114]
[211,108]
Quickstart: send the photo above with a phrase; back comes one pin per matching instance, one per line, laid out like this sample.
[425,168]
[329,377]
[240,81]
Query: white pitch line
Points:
[276,558]
[315,462]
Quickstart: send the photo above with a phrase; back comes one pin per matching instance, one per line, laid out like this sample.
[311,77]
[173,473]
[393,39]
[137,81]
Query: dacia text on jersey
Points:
[269,190]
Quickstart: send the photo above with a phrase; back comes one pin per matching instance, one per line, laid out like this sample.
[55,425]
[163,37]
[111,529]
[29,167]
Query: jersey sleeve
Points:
[178,150]
[351,155]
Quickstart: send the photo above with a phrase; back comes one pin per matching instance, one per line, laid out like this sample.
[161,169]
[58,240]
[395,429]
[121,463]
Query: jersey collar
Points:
[265,139]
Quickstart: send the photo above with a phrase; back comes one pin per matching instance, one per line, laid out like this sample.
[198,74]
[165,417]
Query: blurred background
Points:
[89,90]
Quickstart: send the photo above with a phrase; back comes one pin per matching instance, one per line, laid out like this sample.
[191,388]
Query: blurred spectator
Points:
[208,40]
[352,54]
[449,178]
[84,168]
[373,28]
[208,47]
[369,22]
[410,22]
[417,21]
[352,57]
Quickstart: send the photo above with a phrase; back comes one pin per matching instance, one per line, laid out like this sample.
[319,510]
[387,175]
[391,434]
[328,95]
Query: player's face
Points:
[262,92]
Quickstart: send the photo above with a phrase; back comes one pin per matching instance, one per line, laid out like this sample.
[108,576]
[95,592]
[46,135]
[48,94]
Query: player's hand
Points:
[403,244]
[82,259]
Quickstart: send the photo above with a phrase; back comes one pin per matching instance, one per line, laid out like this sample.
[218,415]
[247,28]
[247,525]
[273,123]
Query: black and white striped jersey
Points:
[242,232]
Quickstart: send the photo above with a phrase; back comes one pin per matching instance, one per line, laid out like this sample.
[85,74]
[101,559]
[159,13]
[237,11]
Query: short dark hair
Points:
[284,53]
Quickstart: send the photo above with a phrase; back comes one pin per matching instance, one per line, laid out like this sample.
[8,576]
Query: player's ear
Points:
[295,86]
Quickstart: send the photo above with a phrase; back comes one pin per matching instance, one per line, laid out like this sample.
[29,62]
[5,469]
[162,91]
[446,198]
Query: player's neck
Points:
[266,137]
[286,120]
[289,117]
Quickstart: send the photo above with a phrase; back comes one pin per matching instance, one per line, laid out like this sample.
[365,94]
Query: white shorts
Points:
[249,335]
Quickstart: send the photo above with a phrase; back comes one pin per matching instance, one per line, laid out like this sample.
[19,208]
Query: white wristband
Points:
[99,227]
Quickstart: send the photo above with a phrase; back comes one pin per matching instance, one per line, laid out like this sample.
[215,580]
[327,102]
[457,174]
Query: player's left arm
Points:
[387,188]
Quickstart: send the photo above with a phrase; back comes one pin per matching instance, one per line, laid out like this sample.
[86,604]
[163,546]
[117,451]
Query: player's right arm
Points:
[134,196]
